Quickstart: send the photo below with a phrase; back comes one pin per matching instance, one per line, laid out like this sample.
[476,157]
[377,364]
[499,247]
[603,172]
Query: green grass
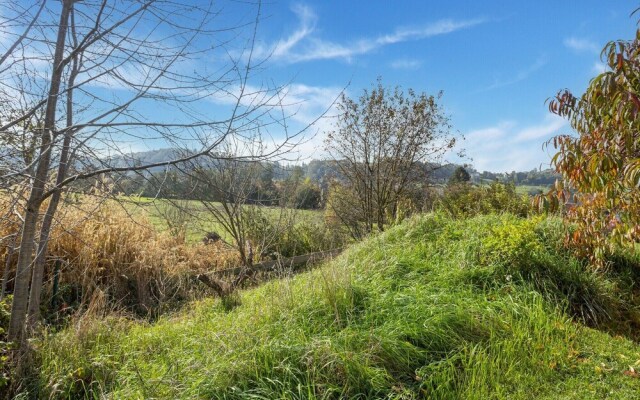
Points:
[526,189]
[198,221]
[520,189]
[487,308]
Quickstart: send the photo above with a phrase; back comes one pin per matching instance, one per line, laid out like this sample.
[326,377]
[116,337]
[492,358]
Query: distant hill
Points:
[146,157]
[317,170]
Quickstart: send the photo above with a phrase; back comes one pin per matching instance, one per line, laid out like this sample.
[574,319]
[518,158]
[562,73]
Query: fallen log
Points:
[218,286]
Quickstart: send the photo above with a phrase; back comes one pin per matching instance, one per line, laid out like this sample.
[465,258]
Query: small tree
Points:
[460,175]
[307,196]
[252,227]
[378,145]
[601,166]
[82,80]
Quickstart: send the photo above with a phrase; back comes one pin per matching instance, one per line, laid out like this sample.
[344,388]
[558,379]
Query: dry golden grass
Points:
[111,261]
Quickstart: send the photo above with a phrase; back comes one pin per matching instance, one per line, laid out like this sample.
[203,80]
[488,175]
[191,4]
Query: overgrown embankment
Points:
[489,307]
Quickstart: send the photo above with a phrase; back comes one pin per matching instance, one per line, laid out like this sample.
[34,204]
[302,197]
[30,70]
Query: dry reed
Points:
[110,259]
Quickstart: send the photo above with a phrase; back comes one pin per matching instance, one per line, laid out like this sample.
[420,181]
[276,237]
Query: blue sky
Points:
[496,61]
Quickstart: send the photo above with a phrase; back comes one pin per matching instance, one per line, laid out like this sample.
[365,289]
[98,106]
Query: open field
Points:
[527,189]
[197,220]
[490,307]
[520,189]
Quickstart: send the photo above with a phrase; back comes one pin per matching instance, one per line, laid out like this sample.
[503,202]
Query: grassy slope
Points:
[433,308]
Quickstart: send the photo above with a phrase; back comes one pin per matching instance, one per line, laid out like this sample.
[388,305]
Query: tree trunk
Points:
[40,260]
[23,269]
[27,245]
[47,222]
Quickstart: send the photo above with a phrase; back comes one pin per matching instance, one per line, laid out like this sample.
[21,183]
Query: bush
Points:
[464,200]
[512,243]
[308,197]
[288,237]
[343,208]
[530,252]
[109,261]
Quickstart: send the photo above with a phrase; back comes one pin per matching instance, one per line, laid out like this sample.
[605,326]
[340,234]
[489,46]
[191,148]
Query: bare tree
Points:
[100,76]
[236,205]
[237,197]
[383,143]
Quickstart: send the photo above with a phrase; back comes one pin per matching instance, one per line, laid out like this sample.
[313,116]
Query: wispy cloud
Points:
[520,75]
[491,133]
[433,29]
[304,107]
[307,19]
[599,67]
[544,130]
[507,146]
[303,44]
[406,63]
[581,45]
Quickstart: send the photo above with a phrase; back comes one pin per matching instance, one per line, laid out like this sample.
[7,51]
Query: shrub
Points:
[308,196]
[530,252]
[289,237]
[343,208]
[5,309]
[464,200]
[600,166]
[513,243]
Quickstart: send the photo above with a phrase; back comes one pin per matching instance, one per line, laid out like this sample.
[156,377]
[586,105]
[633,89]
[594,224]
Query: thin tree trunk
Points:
[39,262]
[23,269]
[47,222]
[27,245]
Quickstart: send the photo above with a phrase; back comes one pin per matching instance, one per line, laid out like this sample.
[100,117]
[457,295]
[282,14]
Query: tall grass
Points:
[108,260]
[435,308]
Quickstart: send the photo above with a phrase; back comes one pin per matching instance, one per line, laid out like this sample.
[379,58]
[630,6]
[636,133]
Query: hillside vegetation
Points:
[488,307]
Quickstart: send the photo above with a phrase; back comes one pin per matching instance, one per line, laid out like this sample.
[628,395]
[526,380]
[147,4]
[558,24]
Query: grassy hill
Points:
[490,307]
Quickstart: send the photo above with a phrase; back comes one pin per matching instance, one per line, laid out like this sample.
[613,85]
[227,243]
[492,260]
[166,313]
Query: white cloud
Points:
[599,67]
[307,20]
[490,133]
[520,75]
[546,129]
[298,100]
[440,27]
[306,108]
[510,147]
[405,63]
[581,45]
[302,45]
